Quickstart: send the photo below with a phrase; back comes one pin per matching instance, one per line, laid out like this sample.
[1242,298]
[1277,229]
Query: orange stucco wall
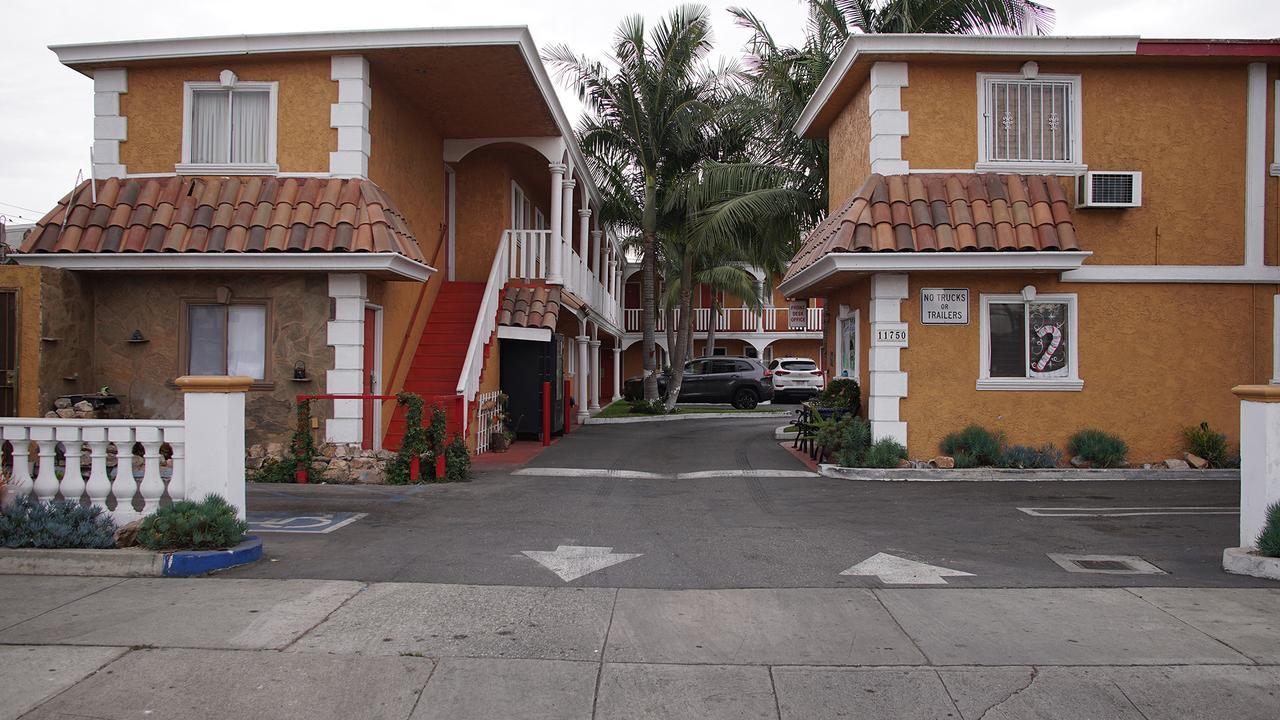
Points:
[849,137]
[1181,125]
[1154,359]
[25,283]
[484,201]
[153,107]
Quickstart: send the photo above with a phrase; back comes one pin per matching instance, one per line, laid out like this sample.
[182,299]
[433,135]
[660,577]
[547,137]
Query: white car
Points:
[795,377]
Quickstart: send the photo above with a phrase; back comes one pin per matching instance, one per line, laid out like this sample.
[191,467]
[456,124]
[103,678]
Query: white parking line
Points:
[1069,512]
[643,475]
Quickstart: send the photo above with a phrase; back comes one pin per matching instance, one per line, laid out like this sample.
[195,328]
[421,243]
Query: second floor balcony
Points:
[735,320]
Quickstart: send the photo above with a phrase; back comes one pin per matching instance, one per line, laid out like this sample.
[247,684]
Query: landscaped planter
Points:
[127,562]
[1246,561]
[1013,475]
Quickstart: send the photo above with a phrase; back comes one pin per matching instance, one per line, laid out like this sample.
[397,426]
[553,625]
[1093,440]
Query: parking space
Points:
[717,503]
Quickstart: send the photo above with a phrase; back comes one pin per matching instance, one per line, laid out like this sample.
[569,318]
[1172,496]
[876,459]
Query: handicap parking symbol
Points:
[314,523]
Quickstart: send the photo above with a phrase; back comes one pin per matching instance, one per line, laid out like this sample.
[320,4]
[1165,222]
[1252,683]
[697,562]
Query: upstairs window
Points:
[229,124]
[1029,124]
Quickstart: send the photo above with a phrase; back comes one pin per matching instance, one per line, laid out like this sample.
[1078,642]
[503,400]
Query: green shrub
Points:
[1208,444]
[830,434]
[1099,448]
[973,446]
[647,407]
[283,470]
[854,444]
[1269,538]
[840,393]
[28,522]
[884,453]
[208,524]
[1023,457]
[457,461]
[416,441]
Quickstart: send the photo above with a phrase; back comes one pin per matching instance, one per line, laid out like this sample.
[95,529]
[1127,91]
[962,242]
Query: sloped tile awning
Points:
[530,307]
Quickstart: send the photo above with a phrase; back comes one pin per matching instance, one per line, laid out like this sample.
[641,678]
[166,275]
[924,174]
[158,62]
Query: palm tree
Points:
[644,110]
[782,78]
[720,275]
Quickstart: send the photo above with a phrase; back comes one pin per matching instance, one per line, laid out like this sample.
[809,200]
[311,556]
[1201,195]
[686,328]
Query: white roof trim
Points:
[535,334]
[923,44]
[832,263]
[384,262]
[340,41]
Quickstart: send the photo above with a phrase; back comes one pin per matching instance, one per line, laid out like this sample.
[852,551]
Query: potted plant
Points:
[840,397]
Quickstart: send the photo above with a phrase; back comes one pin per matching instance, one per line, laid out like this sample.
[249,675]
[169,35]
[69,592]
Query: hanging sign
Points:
[798,314]
[944,306]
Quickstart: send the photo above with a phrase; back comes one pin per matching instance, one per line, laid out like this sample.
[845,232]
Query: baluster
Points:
[99,485]
[177,439]
[72,479]
[123,485]
[46,483]
[152,487]
[18,435]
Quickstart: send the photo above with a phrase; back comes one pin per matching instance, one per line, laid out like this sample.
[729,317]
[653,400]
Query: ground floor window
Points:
[847,343]
[1029,342]
[226,339]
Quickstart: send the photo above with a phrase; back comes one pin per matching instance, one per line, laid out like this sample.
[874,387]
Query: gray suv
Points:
[736,380]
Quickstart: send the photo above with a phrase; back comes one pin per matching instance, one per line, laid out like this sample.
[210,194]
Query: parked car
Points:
[741,381]
[795,378]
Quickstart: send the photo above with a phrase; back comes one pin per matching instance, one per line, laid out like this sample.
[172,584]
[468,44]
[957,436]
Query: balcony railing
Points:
[734,320]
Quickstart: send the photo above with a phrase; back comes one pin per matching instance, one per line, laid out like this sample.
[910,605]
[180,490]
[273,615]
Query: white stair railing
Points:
[504,261]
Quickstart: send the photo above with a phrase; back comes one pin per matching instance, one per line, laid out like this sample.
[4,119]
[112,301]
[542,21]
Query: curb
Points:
[1010,475]
[678,416]
[126,562]
[782,434]
[1243,561]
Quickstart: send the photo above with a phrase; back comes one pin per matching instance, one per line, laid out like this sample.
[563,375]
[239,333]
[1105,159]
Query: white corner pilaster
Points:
[888,381]
[555,253]
[889,122]
[350,116]
[1255,165]
[110,128]
[594,404]
[346,336]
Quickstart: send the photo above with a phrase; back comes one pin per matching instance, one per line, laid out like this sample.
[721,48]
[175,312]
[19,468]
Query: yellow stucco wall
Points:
[1181,125]
[24,282]
[1154,359]
[850,161]
[153,107]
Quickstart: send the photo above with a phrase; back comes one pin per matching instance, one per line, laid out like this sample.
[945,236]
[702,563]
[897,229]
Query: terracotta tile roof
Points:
[530,307]
[945,212]
[225,214]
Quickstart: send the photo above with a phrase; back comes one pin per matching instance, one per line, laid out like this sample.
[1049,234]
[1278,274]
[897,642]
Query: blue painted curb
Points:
[199,562]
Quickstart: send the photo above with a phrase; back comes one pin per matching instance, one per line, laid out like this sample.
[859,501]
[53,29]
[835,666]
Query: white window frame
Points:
[1275,137]
[854,316]
[1070,383]
[186,167]
[1073,167]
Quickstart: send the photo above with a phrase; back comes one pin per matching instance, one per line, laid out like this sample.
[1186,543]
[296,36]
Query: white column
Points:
[608,278]
[584,234]
[346,336]
[566,221]
[1259,457]
[350,116]
[213,412]
[594,405]
[596,249]
[581,380]
[110,128]
[888,382]
[617,374]
[555,253]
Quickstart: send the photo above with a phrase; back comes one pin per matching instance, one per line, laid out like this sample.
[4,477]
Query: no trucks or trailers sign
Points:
[944,306]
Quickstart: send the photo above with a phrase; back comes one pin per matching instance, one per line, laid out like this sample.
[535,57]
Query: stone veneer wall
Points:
[153,304]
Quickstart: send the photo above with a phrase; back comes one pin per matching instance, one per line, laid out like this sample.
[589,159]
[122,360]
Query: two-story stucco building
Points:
[1042,234]
[328,214]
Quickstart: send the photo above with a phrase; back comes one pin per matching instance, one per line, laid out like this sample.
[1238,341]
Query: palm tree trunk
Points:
[670,316]
[649,220]
[685,338]
[711,327]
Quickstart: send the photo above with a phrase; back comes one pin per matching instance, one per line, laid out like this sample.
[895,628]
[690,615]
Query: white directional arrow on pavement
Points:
[893,570]
[571,562]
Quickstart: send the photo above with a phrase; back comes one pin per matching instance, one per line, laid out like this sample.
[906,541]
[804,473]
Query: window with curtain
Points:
[1032,341]
[227,340]
[230,126]
[1030,121]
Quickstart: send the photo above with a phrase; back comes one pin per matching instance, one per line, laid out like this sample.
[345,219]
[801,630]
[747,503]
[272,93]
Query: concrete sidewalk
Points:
[231,648]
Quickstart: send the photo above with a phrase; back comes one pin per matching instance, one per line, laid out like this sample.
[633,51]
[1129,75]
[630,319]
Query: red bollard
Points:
[414,472]
[440,469]
[301,476]
[546,413]
[568,406]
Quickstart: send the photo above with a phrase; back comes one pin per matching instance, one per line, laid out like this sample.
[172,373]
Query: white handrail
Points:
[486,324]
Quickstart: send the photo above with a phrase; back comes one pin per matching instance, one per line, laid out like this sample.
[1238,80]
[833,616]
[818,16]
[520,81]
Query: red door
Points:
[371,370]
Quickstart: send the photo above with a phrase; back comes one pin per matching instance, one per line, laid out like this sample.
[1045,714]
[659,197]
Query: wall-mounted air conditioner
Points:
[1109,189]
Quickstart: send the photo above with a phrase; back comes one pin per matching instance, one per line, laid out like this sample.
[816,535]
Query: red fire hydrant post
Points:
[568,406]
[546,413]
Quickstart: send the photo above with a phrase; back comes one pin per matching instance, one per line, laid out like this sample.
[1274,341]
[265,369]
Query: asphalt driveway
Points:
[717,503]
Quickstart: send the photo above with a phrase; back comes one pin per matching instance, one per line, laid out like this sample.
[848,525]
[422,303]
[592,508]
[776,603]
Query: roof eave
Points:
[923,44]
[383,264]
[1024,261]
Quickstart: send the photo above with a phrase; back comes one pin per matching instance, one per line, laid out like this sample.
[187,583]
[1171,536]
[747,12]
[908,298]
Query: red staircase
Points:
[437,362]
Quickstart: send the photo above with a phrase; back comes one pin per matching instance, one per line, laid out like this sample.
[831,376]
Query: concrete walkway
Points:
[235,648]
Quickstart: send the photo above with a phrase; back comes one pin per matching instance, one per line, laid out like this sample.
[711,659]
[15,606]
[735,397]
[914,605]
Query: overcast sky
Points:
[46,115]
